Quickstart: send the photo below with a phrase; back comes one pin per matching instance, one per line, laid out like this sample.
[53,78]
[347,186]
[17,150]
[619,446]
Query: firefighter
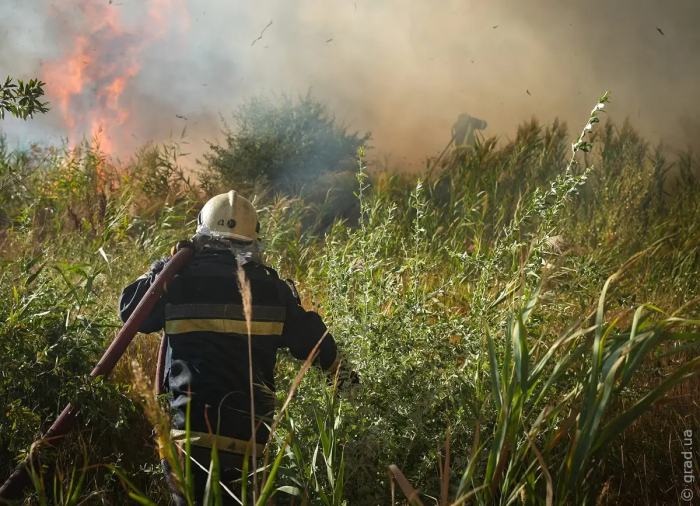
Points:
[205,326]
[463,132]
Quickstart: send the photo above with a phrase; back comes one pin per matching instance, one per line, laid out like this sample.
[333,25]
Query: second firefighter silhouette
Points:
[463,132]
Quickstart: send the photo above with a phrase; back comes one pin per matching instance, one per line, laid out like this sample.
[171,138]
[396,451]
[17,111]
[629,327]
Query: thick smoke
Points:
[403,69]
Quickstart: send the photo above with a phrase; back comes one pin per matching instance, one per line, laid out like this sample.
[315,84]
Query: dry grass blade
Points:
[158,418]
[406,487]
[471,494]
[444,489]
[247,297]
[685,306]
[565,426]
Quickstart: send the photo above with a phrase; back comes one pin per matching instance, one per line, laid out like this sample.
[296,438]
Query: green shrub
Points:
[283,142]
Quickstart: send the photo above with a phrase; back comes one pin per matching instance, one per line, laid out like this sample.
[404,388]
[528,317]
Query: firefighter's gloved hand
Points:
[173,286]
[347,380]
[180,245]
[168,287]
[176,280]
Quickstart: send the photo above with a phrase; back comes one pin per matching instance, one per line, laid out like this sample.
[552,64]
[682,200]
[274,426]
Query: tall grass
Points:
[480,301]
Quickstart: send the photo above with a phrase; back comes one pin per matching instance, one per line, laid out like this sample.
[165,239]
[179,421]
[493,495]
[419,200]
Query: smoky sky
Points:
[402,69]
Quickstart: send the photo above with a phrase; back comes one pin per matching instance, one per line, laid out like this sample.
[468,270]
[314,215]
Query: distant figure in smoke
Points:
[462,142]
[463,132]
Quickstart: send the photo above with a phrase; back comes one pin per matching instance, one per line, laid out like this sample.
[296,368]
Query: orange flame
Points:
[89,80]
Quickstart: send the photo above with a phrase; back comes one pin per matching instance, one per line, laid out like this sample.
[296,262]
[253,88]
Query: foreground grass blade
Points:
[495,379]
[269,488]
[408,490]
[212,491]
[134,492]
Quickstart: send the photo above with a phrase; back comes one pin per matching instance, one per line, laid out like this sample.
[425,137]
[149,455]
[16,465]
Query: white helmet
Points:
[229,216]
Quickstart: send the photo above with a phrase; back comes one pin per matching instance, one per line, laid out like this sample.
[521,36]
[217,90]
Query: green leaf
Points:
[495,380]
[506,373]
[531,303]
[521,354]
[295,491]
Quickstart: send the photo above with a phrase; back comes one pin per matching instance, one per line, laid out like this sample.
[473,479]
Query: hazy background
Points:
[403,69]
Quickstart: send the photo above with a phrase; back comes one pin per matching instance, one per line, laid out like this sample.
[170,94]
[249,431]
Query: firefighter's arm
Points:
[302,331]
[132,295]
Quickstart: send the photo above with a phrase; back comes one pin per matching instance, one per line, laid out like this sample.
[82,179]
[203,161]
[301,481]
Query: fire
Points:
[99,64]
[68,79]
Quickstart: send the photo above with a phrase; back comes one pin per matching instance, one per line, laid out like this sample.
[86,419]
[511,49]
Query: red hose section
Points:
[19,479]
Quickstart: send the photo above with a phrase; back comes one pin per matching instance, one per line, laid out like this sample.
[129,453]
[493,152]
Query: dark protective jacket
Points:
[206,331]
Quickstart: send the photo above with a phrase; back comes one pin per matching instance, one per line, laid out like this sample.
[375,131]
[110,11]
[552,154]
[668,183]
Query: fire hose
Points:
[15,484]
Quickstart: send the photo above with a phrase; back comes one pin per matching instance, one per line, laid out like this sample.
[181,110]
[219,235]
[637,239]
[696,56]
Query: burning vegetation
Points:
[87,83]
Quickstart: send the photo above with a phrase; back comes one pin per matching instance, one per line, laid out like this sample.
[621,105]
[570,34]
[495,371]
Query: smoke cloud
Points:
[402,69]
